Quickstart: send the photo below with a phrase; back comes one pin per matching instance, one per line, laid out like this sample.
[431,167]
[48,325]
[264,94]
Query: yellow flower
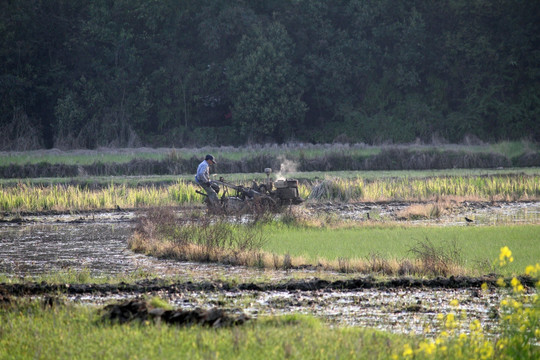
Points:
[486,351]
[427,348]
[475,325]
[407,350]
[500,282]
[450,321]
[454,303]
[505,255]
[484,287]
[440,316]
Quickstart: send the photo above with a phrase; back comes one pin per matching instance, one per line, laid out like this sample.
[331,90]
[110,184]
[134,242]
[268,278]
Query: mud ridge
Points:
[140,310]
[155,285]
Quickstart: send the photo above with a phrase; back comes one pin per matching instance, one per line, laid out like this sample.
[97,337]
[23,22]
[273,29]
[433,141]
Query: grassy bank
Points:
[509,149]
[304,177]
[72,198]
[511,187]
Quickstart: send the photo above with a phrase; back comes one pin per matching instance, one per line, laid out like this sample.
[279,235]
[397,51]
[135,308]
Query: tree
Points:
[264,88]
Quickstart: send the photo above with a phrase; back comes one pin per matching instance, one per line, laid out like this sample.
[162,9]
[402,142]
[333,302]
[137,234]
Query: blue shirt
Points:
[203,173]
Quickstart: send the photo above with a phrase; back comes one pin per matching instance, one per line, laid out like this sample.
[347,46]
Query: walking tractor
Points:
[266,196]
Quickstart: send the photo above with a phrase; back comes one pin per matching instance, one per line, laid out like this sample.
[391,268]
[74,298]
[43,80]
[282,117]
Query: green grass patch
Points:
[478,245]
[76,332]
[28,329]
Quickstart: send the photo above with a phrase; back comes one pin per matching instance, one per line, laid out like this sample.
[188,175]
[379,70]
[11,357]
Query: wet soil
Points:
[398,305]
[33,244]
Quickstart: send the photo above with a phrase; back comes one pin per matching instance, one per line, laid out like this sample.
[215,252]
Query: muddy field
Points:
[96,242]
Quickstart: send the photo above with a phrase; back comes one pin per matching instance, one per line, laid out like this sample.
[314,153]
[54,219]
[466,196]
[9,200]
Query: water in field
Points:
[94,243]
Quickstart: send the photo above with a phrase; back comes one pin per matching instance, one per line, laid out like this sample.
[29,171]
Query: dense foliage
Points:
[177,73]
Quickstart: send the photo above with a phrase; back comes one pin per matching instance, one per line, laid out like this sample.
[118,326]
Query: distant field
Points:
[247,177]
[290,151]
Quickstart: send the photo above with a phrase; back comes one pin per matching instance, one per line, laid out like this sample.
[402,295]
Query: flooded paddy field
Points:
[40,243]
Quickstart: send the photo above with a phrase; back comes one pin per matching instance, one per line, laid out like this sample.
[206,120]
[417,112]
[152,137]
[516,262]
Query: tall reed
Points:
[520,187]
[27,197]
[60,197]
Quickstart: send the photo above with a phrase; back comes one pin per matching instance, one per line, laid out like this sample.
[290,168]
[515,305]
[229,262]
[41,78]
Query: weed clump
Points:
[160,232]
[437,261]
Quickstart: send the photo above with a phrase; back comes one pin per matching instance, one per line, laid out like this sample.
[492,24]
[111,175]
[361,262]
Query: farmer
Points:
[203,178]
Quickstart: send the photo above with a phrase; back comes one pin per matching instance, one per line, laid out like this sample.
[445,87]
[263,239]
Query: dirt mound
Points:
[140,310]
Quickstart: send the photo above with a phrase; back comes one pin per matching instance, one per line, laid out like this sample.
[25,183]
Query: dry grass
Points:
[425,211]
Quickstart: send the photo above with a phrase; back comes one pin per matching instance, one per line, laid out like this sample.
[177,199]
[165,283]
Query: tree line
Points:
[83,74]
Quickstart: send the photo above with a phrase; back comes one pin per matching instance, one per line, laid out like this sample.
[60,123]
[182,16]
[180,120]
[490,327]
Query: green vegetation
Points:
[73,198]
[475,245]
[76,332]
[332,244]
[304,177]
[177,73]
[80,157]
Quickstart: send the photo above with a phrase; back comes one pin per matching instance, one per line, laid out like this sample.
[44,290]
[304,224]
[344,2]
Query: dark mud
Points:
[140,310]
[315,284]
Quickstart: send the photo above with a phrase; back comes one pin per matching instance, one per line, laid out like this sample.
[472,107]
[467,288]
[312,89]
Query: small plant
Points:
[378,264]
[287,262]
[157,302]
[437,260]
[344,265]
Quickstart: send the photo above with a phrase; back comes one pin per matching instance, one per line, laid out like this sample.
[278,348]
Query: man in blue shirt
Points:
[203,178]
